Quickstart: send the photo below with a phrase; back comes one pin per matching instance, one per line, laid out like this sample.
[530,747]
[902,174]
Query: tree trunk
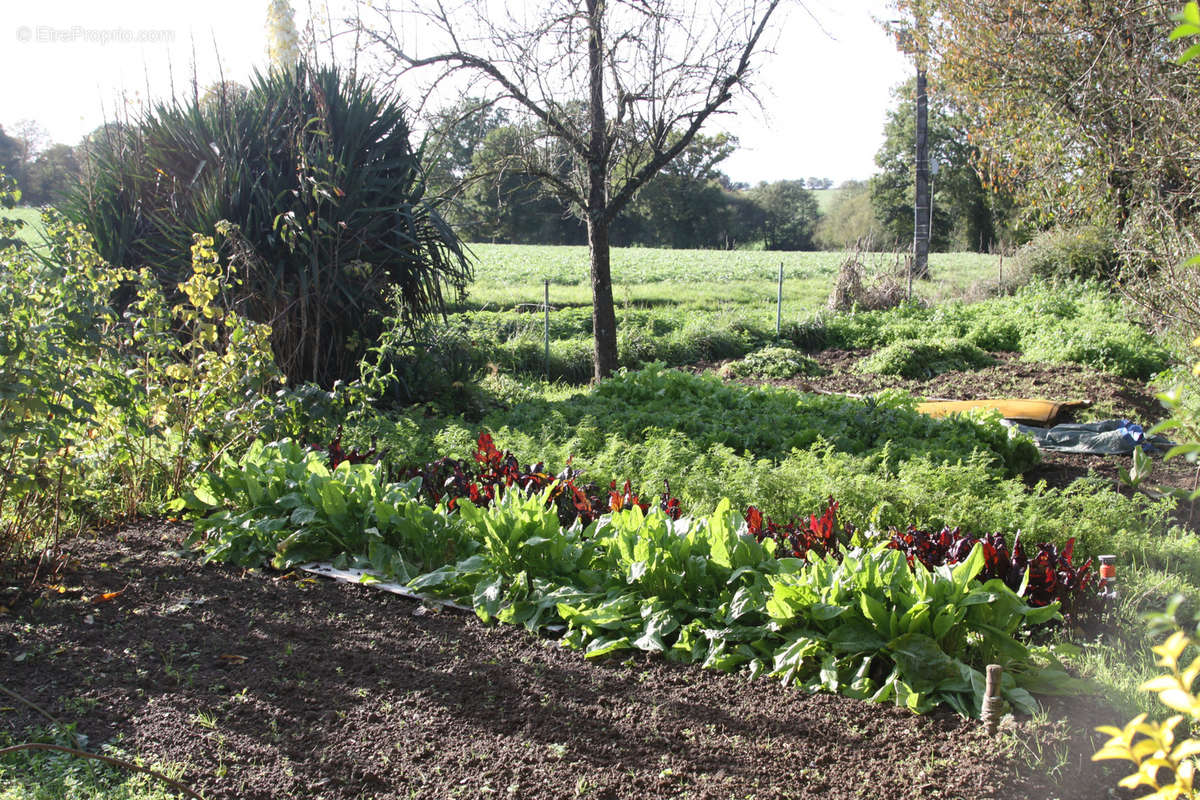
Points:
[604,318]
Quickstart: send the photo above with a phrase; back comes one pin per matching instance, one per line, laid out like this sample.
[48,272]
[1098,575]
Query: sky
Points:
[70,64]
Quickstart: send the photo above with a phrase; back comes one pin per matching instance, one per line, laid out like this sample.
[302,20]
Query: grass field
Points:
[32,232]
[825,198]
[673,306]
[509,275]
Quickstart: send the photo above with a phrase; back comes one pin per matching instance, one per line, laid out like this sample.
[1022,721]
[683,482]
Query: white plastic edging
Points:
[366,577]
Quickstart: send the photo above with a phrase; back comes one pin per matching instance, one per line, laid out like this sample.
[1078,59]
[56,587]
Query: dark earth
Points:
[264,685]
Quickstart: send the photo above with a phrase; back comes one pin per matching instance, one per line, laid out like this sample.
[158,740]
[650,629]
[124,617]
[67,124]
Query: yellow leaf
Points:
[1160,684]
[1178,700]
[1186,749]
[1110,751]
[1171,649]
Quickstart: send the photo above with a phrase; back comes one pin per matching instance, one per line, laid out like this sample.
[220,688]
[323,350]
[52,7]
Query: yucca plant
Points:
[314,171]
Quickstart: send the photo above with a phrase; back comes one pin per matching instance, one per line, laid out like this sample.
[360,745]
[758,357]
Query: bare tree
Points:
[616,89]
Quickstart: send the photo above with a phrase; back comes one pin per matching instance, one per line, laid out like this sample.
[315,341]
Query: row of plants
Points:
[764,421]
[1055,323]
[1048,576]
[1069,322]
[873,485]
[854,615]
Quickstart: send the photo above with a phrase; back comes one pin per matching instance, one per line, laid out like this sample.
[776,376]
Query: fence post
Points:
[779,304]
[546,309]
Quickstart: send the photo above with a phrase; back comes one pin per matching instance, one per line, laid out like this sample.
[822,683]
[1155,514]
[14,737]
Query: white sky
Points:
[825,89]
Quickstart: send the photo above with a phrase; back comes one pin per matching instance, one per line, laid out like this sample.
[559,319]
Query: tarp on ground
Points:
[1039,411]
[1108,437]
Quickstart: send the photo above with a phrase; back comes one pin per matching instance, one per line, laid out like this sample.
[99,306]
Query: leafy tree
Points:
[222,93]
[513,206]
[315,170]
[966,215]
[10,155]
[454,134]
[655,71]
[30,139]
[684,205]
[789,215]
[1077,105]
[52,176]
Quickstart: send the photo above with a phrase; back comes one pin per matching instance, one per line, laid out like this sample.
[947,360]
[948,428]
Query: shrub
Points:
[1065,254]
[778,363]
[1164,760]
[425,363]
[99,417]
[315,172]
[912,358]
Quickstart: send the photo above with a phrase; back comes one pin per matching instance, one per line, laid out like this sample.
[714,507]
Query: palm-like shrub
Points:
[314,170]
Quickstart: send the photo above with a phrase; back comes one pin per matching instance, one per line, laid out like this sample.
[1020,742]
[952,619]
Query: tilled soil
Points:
[279,686]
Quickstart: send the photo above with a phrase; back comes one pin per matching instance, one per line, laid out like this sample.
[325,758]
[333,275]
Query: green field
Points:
[673,306]
[825,198]
[32,217]
[508,275]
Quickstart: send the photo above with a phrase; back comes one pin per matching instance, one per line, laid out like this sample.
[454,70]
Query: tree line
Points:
[45,172]
[692,203]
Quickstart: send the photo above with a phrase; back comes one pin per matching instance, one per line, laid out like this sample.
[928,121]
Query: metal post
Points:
[546,309]
[779,304]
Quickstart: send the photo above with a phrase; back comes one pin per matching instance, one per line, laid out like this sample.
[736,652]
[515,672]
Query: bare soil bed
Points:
[279,686]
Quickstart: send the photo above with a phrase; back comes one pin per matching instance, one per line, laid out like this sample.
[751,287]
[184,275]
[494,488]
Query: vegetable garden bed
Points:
[261,685]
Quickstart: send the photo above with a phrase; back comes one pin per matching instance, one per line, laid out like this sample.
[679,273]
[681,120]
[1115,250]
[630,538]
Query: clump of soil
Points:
[277,686]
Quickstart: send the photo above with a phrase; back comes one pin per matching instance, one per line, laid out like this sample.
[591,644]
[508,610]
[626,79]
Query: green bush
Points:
[1070,254]
[102,417]
[281,504]
[916,358]
[778,363]
[314,169]
[432,362]
[1065,323]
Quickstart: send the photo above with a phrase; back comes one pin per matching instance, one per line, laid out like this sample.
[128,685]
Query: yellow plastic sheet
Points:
[1039,411]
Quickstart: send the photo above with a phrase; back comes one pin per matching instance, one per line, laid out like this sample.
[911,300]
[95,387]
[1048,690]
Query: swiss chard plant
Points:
[871,626]
[280,504]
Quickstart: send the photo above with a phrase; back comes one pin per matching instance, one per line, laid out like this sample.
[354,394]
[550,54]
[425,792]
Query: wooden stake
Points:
[546,308]
[991,699]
